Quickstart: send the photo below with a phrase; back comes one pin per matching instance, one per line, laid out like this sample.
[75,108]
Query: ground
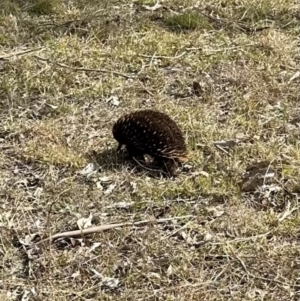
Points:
[227,73]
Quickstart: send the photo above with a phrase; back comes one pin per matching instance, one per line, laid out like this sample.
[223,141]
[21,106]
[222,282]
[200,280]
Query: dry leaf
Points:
[84,223]
[296,75]
[215,211]
[27,295]
[121,205]
[204,173]
[110,189]
[76,274]
[207,237]
[77,242]
[27,241]
[89,169]
[38,192]
[252,184]
[95,246]
[170,270]
[99,186]
[152,8]
[96,274]
[105,180]
[255,176]
[155,275]
[114,100]
[268,190]
[133,186]
[226,143]
[110,282]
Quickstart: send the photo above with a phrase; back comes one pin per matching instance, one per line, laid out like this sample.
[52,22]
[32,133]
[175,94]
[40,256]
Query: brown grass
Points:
[224,70]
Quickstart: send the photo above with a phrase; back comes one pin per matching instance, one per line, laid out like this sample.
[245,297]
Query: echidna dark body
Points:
[153,133]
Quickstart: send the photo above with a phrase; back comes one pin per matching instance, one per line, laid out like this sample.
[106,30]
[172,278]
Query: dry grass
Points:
[224,70]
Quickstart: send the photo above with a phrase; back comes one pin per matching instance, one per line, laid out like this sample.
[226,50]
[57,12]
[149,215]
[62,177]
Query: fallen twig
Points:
[83,69]
[241,239]
[163,56]
[287,212]
[212,51]
[18,53]
[207,52]
[295,76]
[284,284]
[108,227]
[222,149]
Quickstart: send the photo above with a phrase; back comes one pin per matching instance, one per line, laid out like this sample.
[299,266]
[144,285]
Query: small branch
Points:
[205,51]
[222,149]
[163,57]
[239,259]
[18,53]
[295,76]
[284,284]
[242,239]
[178,230]
[211,51]
[83,69]
[287,212]
[108,227]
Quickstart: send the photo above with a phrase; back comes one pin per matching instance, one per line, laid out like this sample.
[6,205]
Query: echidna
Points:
[148,132]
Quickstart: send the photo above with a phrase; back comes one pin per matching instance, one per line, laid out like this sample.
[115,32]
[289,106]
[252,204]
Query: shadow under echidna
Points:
[149,132]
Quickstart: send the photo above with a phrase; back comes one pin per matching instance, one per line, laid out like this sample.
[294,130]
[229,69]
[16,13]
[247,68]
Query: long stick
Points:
[108,227]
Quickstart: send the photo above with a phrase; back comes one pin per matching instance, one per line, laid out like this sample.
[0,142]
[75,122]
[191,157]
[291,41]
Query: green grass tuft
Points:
[43,7]
[187,21]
